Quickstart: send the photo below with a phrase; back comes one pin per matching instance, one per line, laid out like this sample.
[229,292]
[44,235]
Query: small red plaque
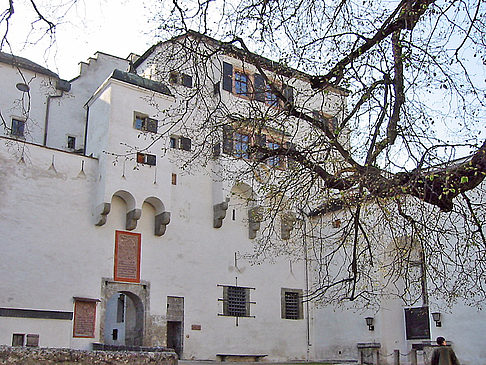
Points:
[127,256]
[196,327]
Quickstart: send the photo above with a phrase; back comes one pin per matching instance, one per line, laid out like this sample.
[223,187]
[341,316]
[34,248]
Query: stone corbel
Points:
[219,213]
[254,219]
[161,222]
[100,213]
[132,217]
[287,222]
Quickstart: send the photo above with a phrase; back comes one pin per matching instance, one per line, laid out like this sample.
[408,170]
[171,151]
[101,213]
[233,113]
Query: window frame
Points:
[230,301]
[146,123]
[15,129]
[285,304]
[181,143]
[146,159]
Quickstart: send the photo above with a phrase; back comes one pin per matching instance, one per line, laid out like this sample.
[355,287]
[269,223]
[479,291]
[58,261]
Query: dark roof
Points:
[236,52]
[137,80]
[26,64]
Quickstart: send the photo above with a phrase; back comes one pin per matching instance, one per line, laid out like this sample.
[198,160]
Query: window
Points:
[71,142]
[241,83]
[146,159]
[144,123]
[270,98]
[292,307]
[240,145]
[180,143]
[236,301]
[18,339]
[18,127]
[332,122]
[180,78]
[275,161]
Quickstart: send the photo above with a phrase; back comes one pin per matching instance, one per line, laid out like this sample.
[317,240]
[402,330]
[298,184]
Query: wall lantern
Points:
[369,323]
[436,317]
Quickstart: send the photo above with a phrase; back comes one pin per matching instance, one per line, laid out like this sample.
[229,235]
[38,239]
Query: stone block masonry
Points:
[44,356]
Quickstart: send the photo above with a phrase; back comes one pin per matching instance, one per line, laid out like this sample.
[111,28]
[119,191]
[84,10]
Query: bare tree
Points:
[400,173]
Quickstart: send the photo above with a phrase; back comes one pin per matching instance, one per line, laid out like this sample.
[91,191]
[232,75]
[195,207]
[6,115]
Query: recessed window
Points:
[180,143]
[174,179]
[18,127]
[18,339]
[275,161]
[241,83]
[146,159]
[292,307]
[71,142]
[180,78]
[144,123]
[241,144]
[236,301]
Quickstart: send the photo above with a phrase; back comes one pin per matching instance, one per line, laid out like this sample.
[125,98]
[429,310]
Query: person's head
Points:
[441,340]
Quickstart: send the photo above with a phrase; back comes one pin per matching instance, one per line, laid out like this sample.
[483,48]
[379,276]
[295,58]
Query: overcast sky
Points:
[116,27]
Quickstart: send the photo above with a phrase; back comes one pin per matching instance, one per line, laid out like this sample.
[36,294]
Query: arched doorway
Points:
[124,319]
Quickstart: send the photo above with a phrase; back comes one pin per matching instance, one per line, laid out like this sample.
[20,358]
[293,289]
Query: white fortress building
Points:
[118,232]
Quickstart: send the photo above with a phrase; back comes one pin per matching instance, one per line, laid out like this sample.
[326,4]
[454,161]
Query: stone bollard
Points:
[396,357]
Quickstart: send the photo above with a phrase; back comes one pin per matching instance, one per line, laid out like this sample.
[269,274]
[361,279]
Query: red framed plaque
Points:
[84,318]
[127,256]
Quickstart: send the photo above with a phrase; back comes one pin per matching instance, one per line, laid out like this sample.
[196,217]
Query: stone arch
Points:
[137,296]
[162,218]
[133,213]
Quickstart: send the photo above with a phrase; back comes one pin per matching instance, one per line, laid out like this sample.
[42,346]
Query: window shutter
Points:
[185,144]
[247,302]
[227,77]
[216,149]
[259,88]
[260,140]
[186,80]
[333,124]
[150,160]
[288,92]
[228,139]
[151,125]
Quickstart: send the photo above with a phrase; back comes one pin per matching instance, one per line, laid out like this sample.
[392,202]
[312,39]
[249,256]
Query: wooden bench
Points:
[240,357]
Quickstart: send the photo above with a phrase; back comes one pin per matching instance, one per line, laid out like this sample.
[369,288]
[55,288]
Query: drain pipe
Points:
[61,85]
[307,293]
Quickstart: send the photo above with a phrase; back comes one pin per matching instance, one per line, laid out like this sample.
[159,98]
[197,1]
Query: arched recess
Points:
[245,193]
[136,306]
[162,218]
[133,213]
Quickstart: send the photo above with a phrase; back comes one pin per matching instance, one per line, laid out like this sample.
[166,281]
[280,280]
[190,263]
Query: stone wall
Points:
[42,356]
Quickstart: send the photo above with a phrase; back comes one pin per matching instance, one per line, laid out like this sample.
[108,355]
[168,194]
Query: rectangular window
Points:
[180,78]
[32,340]
[146,159]
[180,143]
[236,301]
[18,339]
[240,145]
[241,83]
[275,161]
[292,307]
[270,98]
[18,127]
[145,124]
[71,142]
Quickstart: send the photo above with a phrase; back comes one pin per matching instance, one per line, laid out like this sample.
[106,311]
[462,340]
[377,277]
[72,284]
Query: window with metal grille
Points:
[292,304]
[236,301]
[18,128]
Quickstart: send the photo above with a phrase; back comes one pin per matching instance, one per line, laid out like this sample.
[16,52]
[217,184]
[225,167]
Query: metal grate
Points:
[237,302]
[292,305]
